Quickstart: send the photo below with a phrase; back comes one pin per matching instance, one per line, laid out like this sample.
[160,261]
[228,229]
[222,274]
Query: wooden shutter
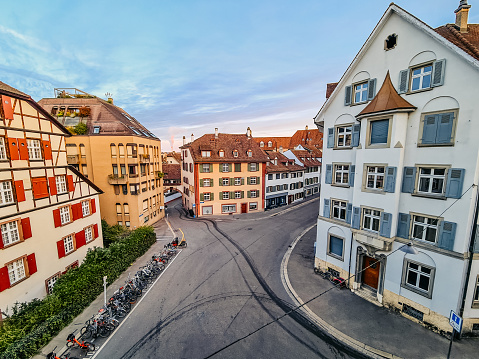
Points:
[349,212]
[249,194]
[47,150]
[7,107]
[40,187]
[61,249]
[403,81]
[1,240]
[248,180]
[32,264]
[249,167]
[23,149]
[56,218]
[221,181]
[202,196]
[75,208]
[429,129]
[237,167]
[390,181]
[356,221]
[327,208]
[230,167]
[201,182]
[26,228]
[385,225]
[231,181]
[212,197]
[93,206]
[347,95]
[355,135]
[445,122]
[404,220]
[331,137]
[232,195]
[258,180]
[4,279]
[352,170]
[95,230]
[19,190]
[242,194]
[329,174]
[408,180]
[201,168]
[438,69]
[242,180]
[53,185]
[71,187]
[371,89]
[13,149]
[447,234]
[80,239]
[455,181]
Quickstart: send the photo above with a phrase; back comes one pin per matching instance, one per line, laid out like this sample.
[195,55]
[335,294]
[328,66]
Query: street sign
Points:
[455,321]
[194,205]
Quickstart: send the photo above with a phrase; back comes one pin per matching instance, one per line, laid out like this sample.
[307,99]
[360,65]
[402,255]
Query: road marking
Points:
[136,306]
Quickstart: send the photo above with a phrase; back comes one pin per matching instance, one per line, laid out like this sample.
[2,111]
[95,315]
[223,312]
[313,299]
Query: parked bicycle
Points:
[53,355]
[332,276]
[72,341]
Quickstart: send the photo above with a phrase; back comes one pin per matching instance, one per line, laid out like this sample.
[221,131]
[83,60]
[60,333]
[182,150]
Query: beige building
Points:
[49,212]
[117,153]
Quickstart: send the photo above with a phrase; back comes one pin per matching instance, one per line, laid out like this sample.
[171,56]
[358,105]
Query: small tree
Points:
[85,111]
[81,129]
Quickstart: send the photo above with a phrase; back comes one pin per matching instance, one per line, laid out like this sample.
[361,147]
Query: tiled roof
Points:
[175,155]
[467,41]
[306,159]
[8,88]
[227,143]
[171,171]
[276,142]
[283,163]
[307,137]
[330,88]
[387,99]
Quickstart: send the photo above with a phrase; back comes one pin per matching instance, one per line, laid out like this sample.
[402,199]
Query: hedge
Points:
[33,324]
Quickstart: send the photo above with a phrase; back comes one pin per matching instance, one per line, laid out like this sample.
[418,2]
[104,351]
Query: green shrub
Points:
[34,324]
[81,129]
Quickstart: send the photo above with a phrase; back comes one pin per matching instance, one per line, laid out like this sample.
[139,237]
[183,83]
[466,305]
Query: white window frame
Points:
[34,149]
[237,181]
[250,153]
[252,180]
[89,234]
[68,244]
[6,193]
[425,226]
[373,172]
[253,206]
[206,182]
[421,75]
[226,167]
[16,270]
[237,194]
[361,89]
[225,181]
[433,179]
[205,153]
[228,208]
[253,167]
[374,216]
[221,153]
[225,195]
[335,255]
[475,298]
[235,153]
[207,196]
[345,134]
[206,167]
[61,184]
[65,215]
[50,282]
[85,208]
[3,150]
[340,208]
[254,194]
[343,170]
[419,272]
[10,233]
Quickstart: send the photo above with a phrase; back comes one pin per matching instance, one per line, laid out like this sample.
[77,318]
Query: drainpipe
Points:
[350,255]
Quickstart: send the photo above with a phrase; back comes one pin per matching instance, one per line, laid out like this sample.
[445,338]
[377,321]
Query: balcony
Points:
[73,159]
[117,179]
[144,158]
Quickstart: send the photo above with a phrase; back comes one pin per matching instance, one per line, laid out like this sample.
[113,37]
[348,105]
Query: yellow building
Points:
[49,212]
[223,174]
[117,153]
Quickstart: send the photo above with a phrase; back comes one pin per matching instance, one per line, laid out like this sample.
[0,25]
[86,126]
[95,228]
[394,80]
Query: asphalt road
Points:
[217,297]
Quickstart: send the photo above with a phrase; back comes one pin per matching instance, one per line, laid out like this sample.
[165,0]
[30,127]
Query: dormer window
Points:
[96,129]
[261,144]
[221,153]
[235,153]
[249,153]
[205,153]
[270,144]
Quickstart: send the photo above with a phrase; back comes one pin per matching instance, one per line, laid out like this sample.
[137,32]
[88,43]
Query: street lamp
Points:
[408,248]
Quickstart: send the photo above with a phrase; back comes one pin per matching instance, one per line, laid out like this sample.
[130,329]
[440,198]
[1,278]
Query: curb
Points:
[326,327]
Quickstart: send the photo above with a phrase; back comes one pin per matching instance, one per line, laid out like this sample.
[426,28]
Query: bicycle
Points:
[73,342]
[53,355]
[325,274]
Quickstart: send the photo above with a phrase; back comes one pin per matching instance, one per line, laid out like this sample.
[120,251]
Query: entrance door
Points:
[243,207]
[371,272]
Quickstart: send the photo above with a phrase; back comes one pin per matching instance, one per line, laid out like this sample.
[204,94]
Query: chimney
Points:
[216,132]
[462,13]
[110,99]
[192,137]
[306,128]
[184,140]
[248,132]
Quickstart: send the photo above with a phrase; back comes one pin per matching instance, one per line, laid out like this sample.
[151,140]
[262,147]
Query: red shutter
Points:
[19,191]
[40,187]
[7,107]
[1,240]
[4,279]
[93,206]
[26,228]
[56,218]
[23,149]
[80,239]
[79,210]
[47,150]
[53,185]
[61,249]
[13,149]
[75,214]
[32,264]
[70,183]
[95,231]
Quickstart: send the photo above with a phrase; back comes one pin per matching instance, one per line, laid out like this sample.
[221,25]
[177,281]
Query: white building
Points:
[312,168]
[401,165]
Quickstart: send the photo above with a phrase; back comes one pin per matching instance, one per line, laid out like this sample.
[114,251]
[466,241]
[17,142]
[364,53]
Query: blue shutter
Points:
[408,180]
[404,220]
[352,170]
[444,127]
[347,95]
[331,137]
[438,69]
[429,129]
[371,89]
[403,81]
[390,183]
[355,135]
[356,217]
[349,212]
[329,174]
[455,180]
[447,234]
[385,225]
[379,131]
[326,209]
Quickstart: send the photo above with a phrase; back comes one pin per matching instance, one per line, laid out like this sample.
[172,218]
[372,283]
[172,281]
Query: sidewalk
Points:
[354,320]
[163,235]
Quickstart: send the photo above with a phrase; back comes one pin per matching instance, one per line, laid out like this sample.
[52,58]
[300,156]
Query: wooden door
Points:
[371,272]
[243,207]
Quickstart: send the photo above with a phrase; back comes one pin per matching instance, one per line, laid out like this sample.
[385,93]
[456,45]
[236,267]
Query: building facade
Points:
[311,162]
[49,212]
[117,153]
[401,165]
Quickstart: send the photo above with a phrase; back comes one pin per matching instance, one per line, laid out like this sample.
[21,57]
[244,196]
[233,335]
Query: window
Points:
[253,167]
[6,193]
[437,129]
[250,153]
[261,144]
[253,206]
[425,228]
[127,224]
[3,152]
[205,153]
[421,77]
[221,153]
[10,233]
[226,195]
[121,151]
[225,167]
[235,153]
[360,92]
[418,277]
[375,177]
[285,187]
[206,182]
[379,132]
[113,150]
[371,219]
[431,180]
[34,151]
[68,244]
[88,234]
[475,300]
[96,129]
[343,136]
[237,194]
[254,194]
[123,170]
[120,223]
[16,271]
[341,174]
[206,167]
[335,246]
[270,144]
[237,181]
[61,182]
[231,208]
[65,215]
[270,176]
[118,209]
[207,197]
[225,181]
[278,176]
[85,207]
[390,42]
[339,209]
[237,167]
[50,282]
[252,180]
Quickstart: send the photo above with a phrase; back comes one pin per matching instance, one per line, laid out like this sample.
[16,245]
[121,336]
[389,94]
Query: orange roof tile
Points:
[330,88]
[276,142]
[307,137]
[467,41]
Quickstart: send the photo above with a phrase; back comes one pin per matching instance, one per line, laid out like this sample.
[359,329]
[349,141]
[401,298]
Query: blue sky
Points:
[183,67]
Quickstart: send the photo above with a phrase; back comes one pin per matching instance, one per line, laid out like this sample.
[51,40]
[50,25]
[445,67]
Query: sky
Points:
[185,67]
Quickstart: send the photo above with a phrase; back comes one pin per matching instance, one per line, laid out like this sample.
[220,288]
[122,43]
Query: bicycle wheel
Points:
[103,331]
[70,344]
[120,313]
[89,346]
[86,332]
